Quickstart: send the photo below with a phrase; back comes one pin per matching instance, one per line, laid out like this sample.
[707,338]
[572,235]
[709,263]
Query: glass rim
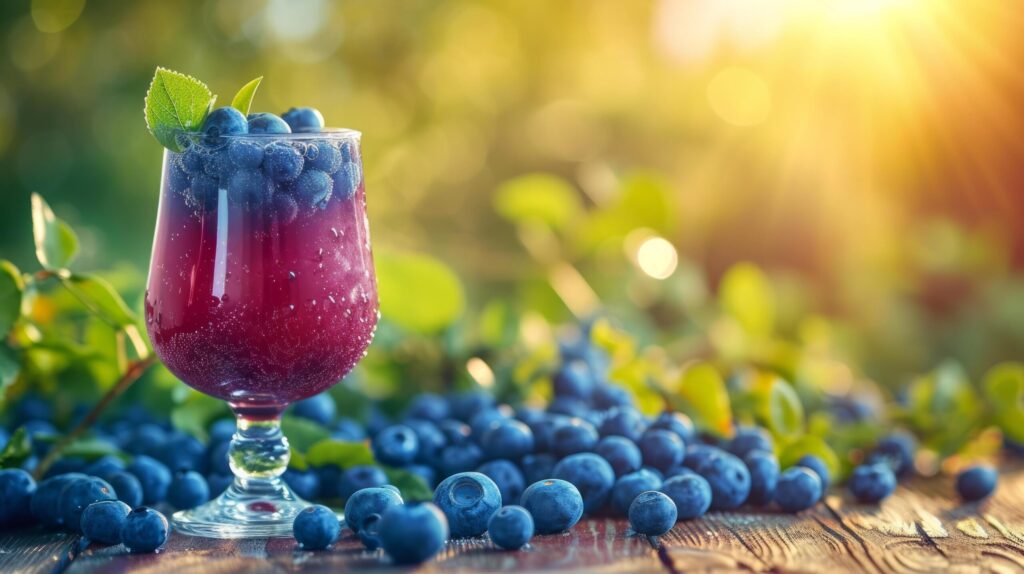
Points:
[324,133]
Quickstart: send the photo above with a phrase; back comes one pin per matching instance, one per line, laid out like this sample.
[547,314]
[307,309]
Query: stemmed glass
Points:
[261,292]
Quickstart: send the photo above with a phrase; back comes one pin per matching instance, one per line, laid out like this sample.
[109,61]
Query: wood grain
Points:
[36,551]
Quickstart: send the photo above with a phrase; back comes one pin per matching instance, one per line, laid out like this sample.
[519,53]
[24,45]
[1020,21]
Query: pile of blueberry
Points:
[276,173]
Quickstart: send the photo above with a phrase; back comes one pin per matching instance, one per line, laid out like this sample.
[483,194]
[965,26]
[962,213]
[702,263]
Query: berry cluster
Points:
[257,167]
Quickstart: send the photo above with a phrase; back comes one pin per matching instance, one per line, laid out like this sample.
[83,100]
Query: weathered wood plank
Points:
[36,551]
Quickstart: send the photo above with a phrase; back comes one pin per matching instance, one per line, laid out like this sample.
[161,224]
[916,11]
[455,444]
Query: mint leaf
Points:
[11,288]
[56,242]
[243,99]
[175,103]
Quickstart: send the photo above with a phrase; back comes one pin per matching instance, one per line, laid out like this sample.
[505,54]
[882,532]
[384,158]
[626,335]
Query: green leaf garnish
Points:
[175,103]
[243,99]
[56,242]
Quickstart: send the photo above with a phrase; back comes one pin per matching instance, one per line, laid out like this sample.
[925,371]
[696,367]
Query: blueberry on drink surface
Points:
[144,530]
[16,489]
[509,439]
[652,513]
[248,187]
[245,154]
[282,162]
[871,483]
[316,527]
[556,505]
[326,157]
[507,477]
[764,475]
[396,445]
[285,207]
[304,119]
[511,527]
[628,486]
[691,493]
[313,188]
[729,480]
[346,180]
[188,490]
[369,501]
[468,499]
[592,476]
[102,521]
[226,121]
[976,483]
[267,123]
[621,453]
[413,533]
[799,488]
[662,449]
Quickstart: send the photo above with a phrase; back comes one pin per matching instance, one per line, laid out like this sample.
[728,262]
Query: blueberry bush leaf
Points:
[810,444]
[785,411]
[243,99]
[412,487]
[12,287]
[103,297]
[175,103]
[537,198]
[1004,387]
[18,448]
[418,292]
[196,412]
[746,294]
[56,243]
[303,433]
[340,453]
[705,398]
[10,367]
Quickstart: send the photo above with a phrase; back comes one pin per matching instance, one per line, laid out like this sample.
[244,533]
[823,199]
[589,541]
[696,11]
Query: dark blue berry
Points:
[348,429]
[798,489]
[66,465]
[537,466]
[426,406]
[652,513]
[509,439]
[697,453]
[621,453]
[192,160]
[222,430]
[45,504]
[319,408]
[468,499]
[286,208]
[569,406]
[346,180]
[455,432]
[574,436]
[358,478]
[282,162]
[608,396]
[249,188]
[729,480]
[267,123]
[871,483]
[188,490]
[217,458]
[202,195]
[154,477]
[325,156]
[431,440]
[459,458]
[748,439]
[678,423]
[316,527]
[305,483]
[396,445]
[176,177]
[511,527]
[219,483]
[16,489]
[691,493]
[507,477]
[820,468]
[764,475]
[484,420]
[529,415]
[624,421]
[627,488]
[544,431]
[427,473]
[369,534]
[226,121]
[144,530]
[466,405]
[592,476]
[104,466]
[573,380]
[182,451]
[976,483]
[366,502]
[896,450]
[102,521]
[313,188]
[304,119]
[662,449]
[556,505]
[246,154]
[413,533]
[127,487]
[79,494]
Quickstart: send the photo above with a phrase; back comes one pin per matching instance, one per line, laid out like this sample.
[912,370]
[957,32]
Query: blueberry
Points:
[304,119]
[897,450]
[573,380]
[66,465]
[556,505]
[267,123]
[188,490]
[484,420]
[507,477]
[678,423]
[465,405]
[627,488]
[871,483]
[662,449]
[621,453]
[396,445]
[748,439]
[427,473]
[529,415]
[574,436]
[537,467]
[366,502]
[431,440]
[624,421]
[104,466]
[154,477]
[413,533]
[305,483]
[127,487]
[326,157]
[544,431]
[226,121]
[976,483]
[45,504]
[144,530]
[459,458]
[818,466]
[455,432]
[203,194]
[358,478]
[319,408]
[729,480]
[245,154]
[591,474]
[652,513]
[313,188]
[798,489]
[764,475]
[219,483]
[32,407]
[16,489]
[222,430]
[191,160]
[426,406]
[348,429]
[281,161]
[217,164]
[511,527]
[77,495]
[697,453]
[182,451]
[569,406]
[369,534]
[217,458]
[176,178]
[286,208]
[316,527]
[508,439]
[691,493]
[608,396]
[468,499]
[102,521]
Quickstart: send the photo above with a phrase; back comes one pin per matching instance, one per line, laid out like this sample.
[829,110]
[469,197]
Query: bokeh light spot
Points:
[52,16]
[480,372]
[657,258]
[740,97]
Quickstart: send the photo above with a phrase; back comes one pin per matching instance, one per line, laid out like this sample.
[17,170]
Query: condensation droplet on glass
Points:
[291,307]
[334,231]
[331,298]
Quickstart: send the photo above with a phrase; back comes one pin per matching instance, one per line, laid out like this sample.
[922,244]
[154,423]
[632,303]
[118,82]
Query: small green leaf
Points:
[417,292]
[339,453]
[810,444]
[297,460]
[18,448]
[56,242]
[412,487]
[705,397]
[539,198]
[10,367]
[747,295]
[12,287]
[785,411]
[90,448]
[303,433]
[197,412]
[243,99]
[101,295]
[175,103]
[1004,388]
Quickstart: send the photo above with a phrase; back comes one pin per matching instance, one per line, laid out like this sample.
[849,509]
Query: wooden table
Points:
[921,529]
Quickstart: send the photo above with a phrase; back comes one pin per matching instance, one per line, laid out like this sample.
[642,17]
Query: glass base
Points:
[247,509]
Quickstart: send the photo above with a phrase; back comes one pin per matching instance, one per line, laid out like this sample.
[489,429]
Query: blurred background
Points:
[828,188]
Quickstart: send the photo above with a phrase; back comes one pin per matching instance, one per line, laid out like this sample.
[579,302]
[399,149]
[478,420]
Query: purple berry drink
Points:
[261,288]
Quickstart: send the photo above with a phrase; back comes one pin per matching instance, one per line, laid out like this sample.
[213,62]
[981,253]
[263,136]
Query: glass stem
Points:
[259,452]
